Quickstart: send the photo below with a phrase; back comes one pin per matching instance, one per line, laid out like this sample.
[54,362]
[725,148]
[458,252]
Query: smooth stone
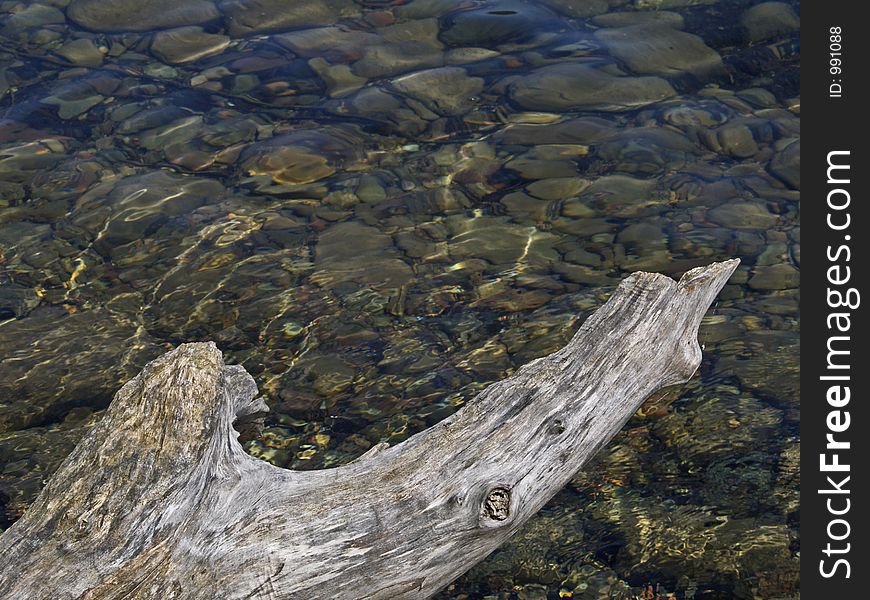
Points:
[585,227]
[396,58]
[661,50]
[176,132]
[786,165]
[737,140]
[500,242]
[646,150]
[315,42]
[301,157]
[352,252]
[423,9]
[339,79]
[741,214]
[380,106]
[759,97]
[525,207]
[19,163]
[643,235]
[461,56]
[245,17]
[581,256]
[68,108]
[690,115]
[621,196]
[419,31]
[414,245]
[627,19]
[769,19]
[293,165]
[580,9]
[82,52]
[137,203]
[775,252]
[585,130]
[148,118]
[33,15]
[668,4]
[186,44]
[774,277]
[370,190]
[348,240]
[446,90]
[582,87]
[508,21]
[574,208]
[548,161]
[557,188]
[140,15]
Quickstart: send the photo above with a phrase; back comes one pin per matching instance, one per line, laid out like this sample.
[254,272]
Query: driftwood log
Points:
[159,501]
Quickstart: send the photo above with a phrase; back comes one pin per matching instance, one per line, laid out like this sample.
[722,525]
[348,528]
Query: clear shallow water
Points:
[378,208]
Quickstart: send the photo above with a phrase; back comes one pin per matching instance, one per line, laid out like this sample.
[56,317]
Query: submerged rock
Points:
[582,87]
[626,19]
[769,19]
[32,15]
[245,17]
[353,252]
[787,164]
[186,44]
[498,22]
[661,50]
[16,301]
[139,15]
[129,209]
[82,52]
[446,90]
[300,157]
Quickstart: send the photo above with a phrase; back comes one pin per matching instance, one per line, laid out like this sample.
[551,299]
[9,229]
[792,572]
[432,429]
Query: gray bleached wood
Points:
[159,500]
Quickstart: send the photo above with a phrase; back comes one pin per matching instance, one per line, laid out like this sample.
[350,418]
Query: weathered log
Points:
[159,500]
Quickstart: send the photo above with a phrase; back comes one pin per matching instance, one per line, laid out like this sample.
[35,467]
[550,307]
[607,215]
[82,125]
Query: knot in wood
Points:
[496,506]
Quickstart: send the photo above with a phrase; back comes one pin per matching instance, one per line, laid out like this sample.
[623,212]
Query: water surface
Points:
[380,207]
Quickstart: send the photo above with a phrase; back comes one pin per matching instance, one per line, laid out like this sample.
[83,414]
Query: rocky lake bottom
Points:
[379,207]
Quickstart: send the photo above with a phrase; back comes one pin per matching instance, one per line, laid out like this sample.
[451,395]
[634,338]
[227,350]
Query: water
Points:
[379,208]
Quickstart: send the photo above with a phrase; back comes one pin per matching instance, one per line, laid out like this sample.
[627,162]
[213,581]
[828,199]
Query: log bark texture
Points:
[159,501]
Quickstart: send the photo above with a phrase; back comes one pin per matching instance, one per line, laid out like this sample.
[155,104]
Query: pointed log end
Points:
[696,291]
